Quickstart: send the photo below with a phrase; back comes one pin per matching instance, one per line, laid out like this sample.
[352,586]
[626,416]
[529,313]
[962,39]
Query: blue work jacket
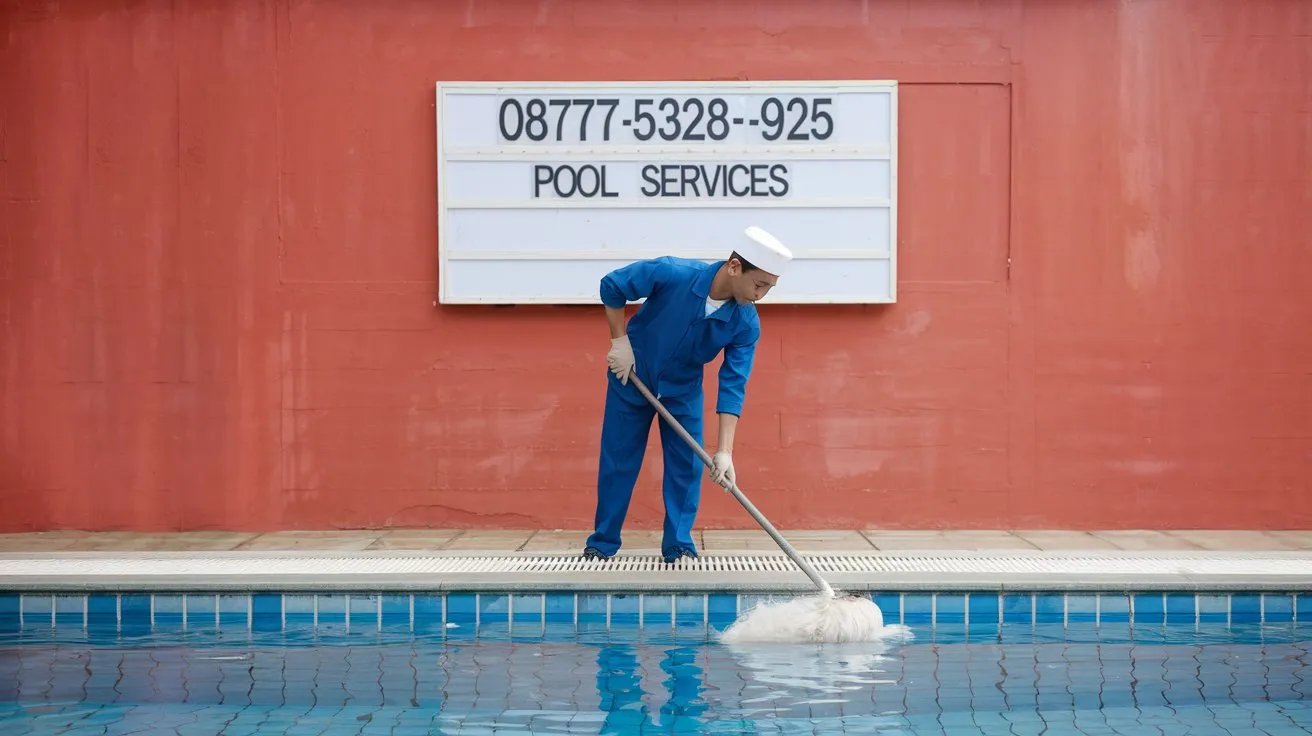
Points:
[672,336]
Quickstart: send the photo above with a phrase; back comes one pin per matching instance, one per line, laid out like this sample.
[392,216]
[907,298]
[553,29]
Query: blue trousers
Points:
[624,431]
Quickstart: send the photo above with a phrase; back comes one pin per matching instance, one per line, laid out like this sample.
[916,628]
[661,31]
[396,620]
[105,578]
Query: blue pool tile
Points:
[917,608]
[135,611]
[234,610]
[1081,608]
[332,608]
[497,629]
[1149,608]
[396,610]
[9,608]
[690,608]
[364,610]
[1245,607]
[890,604]
[556,631]
[266,612]
[428,609]
[1052,701]
[1180,608]
[430,623]
[560,607]
[593,629]
[167,604]
[981,721]
[1017,608]
[69,610]
[493,608]
[1213,608]
[1063,729]
[1050,608]
[168,611]
[298,608]
[592,607]
[461,608]
[950,608]
[298,612]
[199,610]
[235,603]
[722,609]
[624,609]
[1086,699]
[1279,607]
[1117,630]
[656,610]
[463,628]
[963,720]
[983,608]
[36,607]
[1113,607]
[102,611]
[527,607]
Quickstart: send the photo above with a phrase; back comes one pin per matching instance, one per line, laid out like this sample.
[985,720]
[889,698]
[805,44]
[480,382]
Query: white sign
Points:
[545,187]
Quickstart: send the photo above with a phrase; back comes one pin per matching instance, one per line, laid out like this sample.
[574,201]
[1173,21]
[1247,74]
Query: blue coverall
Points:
[673,339]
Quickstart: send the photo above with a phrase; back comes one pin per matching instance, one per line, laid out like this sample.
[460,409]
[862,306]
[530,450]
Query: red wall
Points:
[219,264]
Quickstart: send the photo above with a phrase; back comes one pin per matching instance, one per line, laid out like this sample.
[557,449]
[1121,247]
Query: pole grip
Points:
[806,567]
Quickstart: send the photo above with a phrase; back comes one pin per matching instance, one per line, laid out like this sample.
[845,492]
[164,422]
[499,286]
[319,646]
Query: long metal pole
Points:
[733,488]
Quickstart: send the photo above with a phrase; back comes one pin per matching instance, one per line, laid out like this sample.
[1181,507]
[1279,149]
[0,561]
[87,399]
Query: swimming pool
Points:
[557,662]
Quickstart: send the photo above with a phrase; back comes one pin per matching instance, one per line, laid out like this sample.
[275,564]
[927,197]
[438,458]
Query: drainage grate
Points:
[1048,564]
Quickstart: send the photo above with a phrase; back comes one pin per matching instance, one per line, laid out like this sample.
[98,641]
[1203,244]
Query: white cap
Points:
[764,251]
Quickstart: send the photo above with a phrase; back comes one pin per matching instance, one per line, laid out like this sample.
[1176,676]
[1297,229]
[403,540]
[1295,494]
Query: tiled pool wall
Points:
[275,611]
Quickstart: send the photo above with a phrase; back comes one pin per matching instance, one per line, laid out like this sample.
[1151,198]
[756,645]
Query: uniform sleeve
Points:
[735,370]
[638,280]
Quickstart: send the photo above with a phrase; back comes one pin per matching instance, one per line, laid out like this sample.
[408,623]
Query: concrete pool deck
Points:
[732,560]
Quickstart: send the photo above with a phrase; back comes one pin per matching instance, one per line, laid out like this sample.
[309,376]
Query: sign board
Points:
[545,187]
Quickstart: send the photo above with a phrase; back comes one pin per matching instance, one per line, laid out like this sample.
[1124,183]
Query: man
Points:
[692,312]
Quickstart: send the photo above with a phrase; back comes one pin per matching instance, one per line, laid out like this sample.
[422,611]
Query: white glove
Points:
[722,469]
[620,358]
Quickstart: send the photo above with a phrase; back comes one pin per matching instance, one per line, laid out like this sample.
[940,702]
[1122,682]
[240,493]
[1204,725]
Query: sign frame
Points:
[669,87]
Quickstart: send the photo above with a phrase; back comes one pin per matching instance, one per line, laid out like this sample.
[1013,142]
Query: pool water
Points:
[591,678]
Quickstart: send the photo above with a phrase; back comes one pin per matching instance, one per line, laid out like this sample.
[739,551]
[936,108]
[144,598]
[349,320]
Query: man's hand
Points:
[722,469]
[620,358]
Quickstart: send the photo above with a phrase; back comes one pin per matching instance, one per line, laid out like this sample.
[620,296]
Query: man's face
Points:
[749,286]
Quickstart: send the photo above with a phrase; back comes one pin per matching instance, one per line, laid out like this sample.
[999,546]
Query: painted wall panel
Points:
[218,253]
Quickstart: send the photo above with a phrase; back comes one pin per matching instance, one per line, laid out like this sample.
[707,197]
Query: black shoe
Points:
[592,553]
[673,555]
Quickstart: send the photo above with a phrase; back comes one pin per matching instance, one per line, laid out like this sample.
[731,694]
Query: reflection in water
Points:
[681,680]
[674,688]
[619,689]
[801,672]
[629,707]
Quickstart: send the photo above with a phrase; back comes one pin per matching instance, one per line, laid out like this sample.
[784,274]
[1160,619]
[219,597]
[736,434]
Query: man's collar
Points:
[701,286]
